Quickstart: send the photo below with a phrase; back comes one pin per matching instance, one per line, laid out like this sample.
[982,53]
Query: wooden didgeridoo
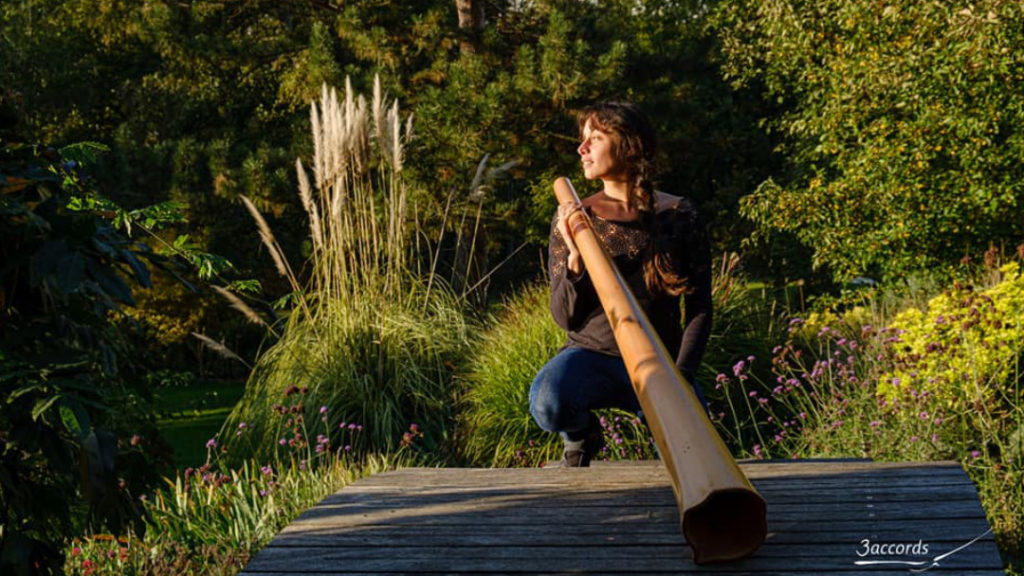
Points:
[723,517]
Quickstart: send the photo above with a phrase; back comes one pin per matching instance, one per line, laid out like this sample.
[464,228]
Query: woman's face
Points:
[596,154]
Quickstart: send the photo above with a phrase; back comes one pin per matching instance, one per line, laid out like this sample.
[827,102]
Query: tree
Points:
[901,126]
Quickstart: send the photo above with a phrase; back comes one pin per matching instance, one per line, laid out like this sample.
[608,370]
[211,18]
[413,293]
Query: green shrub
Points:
[965,345]
[899,126]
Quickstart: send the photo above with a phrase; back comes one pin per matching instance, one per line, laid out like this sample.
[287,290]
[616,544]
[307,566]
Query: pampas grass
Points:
[369,344]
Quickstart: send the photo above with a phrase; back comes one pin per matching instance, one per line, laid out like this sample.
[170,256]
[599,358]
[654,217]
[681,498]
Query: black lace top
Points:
[681,236]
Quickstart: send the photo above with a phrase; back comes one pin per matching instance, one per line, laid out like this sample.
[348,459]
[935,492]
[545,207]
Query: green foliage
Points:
[900,125]
[70,393]
[212,520]
[825,397]
[499,430]
[967,344]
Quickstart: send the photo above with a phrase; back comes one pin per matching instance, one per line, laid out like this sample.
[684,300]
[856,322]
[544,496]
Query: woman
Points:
[658,244]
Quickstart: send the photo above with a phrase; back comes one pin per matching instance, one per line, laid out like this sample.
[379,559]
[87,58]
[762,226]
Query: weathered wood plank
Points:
[621,518]
[475,513]
[619,558]
[631,534]
[585,495]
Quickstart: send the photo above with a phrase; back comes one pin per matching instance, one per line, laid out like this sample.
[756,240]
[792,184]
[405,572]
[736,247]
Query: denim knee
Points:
[548,408]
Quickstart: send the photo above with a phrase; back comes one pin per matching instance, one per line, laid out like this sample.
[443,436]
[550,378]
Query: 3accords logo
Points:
[874,549]
[871,549]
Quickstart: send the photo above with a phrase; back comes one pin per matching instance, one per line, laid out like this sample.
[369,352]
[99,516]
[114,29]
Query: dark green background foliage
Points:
[77,432]
[200,102]
[902,126]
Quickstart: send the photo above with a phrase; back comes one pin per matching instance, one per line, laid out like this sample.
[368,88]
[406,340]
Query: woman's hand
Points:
[573,261]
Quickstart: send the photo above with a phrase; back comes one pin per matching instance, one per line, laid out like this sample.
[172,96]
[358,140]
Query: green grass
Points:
[191,415]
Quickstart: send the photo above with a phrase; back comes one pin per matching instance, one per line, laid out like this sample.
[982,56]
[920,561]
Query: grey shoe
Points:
[581,458]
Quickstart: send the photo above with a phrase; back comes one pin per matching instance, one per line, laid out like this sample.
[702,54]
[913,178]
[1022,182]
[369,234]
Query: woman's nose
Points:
[582,148]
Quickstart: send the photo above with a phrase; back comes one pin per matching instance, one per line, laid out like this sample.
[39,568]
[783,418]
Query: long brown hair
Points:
[635,144]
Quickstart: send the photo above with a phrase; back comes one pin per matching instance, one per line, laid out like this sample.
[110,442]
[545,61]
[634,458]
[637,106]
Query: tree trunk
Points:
[471,22]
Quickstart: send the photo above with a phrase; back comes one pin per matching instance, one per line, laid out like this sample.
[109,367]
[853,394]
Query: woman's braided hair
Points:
[635,144]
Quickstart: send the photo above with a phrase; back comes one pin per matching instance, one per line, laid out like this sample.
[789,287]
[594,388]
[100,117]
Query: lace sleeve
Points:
[572,299]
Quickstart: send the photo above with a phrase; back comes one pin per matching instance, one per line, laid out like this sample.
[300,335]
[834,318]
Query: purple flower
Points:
[282,441]
[323,409]
[211,443]
[874,424]
[351,426]
[975,454]
[721,378]
[267,470]
[242,425]
[757,452]
[738,368]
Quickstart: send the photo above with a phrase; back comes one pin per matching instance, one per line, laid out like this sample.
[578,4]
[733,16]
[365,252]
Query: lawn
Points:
[191,415]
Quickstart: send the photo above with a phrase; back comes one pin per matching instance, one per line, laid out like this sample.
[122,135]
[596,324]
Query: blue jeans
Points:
[577,381]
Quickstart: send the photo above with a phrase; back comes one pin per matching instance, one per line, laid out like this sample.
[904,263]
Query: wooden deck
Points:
[621,518]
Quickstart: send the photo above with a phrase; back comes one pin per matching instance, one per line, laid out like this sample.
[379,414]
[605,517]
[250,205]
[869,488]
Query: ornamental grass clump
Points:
[367,336]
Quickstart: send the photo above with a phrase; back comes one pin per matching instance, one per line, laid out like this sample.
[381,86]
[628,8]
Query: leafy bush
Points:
[966,345]
[900,126]
[75,410]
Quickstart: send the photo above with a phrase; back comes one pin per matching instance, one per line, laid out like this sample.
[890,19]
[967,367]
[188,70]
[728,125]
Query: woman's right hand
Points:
[574,263]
